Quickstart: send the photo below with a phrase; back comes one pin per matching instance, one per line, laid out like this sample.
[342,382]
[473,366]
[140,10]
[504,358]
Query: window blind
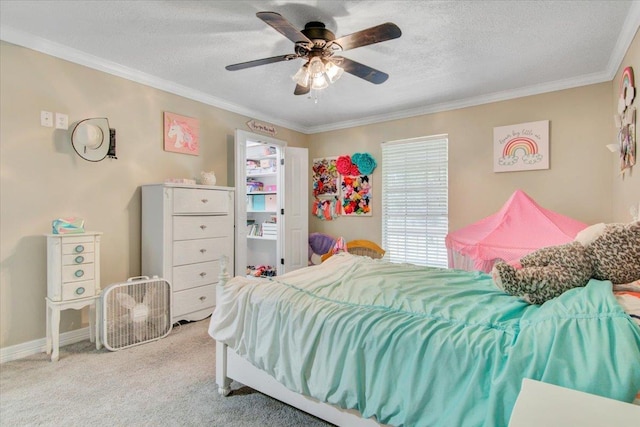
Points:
[415,200]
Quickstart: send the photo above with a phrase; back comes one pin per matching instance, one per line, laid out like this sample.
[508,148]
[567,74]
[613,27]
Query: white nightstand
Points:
[73,282]
[543,404]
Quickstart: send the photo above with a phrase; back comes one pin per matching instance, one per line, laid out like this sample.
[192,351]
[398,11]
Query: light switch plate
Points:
[46,118]
[62,121]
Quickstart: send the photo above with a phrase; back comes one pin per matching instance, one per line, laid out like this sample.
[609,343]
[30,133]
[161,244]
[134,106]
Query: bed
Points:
[361,341]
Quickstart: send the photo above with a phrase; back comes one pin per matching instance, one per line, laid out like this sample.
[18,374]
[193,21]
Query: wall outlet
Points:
[46,118]
[62,121]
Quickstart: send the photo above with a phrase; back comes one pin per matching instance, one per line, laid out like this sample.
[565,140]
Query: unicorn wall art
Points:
[181,134]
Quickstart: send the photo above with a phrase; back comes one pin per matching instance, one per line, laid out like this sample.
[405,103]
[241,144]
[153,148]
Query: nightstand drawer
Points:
[75,273]
[190,300]
[75,259]
[196,201]
[200,227]
[78,290]
[192,275]
[77,248]
[199,250]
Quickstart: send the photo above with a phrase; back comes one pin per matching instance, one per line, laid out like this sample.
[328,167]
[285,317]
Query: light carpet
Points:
[169,382]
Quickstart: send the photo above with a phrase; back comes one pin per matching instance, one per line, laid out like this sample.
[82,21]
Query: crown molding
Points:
[57,50]
[627,33]
[468,102]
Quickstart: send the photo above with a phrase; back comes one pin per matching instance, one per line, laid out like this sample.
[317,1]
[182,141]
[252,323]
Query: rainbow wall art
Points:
[521,147]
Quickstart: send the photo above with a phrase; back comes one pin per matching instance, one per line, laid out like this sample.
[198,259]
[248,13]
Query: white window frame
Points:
[415,211]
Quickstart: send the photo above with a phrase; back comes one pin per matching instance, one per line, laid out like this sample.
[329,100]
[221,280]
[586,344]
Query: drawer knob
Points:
[203,298]
[79,248]
[203,226]
[203,274]
[203,251]
[80,290]
[79,259]
[79,273]
[205,200]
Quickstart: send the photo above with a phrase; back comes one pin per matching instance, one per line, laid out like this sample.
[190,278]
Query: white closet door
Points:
[296,208]
[240,155]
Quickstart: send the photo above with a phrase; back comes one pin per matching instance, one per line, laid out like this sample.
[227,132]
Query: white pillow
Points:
[590,233]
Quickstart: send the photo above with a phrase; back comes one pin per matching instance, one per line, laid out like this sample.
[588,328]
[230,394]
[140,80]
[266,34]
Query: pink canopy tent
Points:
[521,226]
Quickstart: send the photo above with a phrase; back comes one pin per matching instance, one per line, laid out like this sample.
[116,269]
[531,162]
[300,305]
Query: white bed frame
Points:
[231,367]
[537,404]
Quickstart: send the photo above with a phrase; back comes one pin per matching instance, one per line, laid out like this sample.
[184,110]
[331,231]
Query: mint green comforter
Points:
[418,346]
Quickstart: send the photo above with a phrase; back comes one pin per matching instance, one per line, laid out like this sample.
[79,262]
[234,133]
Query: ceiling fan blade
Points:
[255,63]
[377,34]
[283,26]
[360,70]
[301,90]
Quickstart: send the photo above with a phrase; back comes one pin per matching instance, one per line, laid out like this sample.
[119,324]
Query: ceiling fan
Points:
[318,46]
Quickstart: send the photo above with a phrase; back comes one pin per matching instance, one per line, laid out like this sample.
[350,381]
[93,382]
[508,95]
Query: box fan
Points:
[135,312]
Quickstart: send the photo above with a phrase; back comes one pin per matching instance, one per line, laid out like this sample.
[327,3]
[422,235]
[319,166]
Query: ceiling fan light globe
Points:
[333,71]
[302,77]
[320,82]
[316,67]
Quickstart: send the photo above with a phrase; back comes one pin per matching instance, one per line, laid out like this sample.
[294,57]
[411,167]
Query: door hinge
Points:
[281,211]
[282,162]
[282,261]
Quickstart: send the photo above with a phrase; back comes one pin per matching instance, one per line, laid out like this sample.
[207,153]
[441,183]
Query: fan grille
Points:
[135,312]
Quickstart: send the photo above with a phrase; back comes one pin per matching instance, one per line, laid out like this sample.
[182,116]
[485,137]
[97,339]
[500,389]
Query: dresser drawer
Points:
[199,250]
[75,290]
[186,201]
[75,259]
[200,227]
[75,273]
[190,300]
[193,275]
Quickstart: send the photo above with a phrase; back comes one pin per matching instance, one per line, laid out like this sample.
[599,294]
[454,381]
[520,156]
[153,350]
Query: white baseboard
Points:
[30,348]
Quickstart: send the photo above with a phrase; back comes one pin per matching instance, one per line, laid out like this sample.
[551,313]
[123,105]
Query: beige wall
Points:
[577,183]
[42,178]
[626,189]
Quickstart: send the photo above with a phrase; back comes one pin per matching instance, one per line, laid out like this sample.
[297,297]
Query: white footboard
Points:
[231,367]
[242,371]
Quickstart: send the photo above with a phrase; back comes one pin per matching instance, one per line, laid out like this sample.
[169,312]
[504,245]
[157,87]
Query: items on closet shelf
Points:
[261,271]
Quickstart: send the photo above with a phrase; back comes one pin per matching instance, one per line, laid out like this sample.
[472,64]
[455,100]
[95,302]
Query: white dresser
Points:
[186,229]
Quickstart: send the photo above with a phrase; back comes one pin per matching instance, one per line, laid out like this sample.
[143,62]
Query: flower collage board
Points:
[342,186]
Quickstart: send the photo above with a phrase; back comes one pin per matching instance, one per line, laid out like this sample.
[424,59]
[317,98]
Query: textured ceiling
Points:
[451,53]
